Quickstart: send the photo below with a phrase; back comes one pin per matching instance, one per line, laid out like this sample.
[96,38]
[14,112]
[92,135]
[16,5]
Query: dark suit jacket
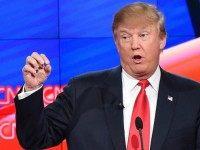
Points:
[89,115]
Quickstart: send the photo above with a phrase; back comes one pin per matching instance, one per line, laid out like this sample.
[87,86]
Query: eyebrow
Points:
[123,30]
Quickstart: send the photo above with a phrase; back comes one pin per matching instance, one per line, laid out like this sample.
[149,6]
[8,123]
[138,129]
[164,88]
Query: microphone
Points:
[139,127]
[139,123]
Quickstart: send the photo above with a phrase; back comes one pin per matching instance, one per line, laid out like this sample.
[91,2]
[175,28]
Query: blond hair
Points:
[138,12]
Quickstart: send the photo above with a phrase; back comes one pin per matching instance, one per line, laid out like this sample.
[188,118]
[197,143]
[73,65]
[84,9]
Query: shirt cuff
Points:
[24,94]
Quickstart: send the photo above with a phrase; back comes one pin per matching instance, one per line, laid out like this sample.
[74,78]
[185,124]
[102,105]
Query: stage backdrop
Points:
[77,38]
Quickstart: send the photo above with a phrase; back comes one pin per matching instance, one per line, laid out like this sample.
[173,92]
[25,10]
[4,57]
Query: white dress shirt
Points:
[24,94]
[130,92]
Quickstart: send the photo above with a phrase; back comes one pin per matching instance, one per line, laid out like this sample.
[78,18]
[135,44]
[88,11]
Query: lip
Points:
[137,59]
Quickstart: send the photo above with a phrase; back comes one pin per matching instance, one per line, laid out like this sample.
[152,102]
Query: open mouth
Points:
[137,59]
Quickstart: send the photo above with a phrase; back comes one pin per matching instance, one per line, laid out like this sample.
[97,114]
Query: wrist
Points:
[28,88]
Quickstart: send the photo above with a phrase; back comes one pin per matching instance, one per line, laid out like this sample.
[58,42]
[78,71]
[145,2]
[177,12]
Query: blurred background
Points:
[76,36]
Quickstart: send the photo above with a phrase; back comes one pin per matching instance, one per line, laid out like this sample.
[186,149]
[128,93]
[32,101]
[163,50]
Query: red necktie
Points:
[141,109]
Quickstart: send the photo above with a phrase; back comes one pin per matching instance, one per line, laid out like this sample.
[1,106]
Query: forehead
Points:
[137,23]
[131,28]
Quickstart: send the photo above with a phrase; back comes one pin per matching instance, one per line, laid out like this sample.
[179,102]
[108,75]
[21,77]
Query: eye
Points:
[144,34]
[126,37]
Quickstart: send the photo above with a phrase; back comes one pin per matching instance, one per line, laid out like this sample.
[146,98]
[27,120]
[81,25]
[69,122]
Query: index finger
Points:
[46,60]
[38,58]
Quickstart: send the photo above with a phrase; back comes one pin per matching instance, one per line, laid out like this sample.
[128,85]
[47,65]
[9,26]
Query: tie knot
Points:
[143,83]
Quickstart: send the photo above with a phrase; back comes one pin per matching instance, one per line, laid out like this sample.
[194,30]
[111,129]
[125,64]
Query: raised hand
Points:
[36,71]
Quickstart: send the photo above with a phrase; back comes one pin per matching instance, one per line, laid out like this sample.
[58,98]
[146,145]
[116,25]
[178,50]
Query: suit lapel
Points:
[112,100]
[164,112]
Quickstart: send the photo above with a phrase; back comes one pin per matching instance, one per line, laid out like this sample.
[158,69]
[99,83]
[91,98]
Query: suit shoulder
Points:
[94,77]
[181,82]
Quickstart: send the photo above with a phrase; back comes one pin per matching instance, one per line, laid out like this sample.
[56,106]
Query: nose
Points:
[135,44]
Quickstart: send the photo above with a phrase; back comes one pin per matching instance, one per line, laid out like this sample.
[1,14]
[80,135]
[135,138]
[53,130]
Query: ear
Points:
[162,42]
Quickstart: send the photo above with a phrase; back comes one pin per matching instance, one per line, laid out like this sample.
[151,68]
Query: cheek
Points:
[153,49]
[154,56]
[121,45]
[123,49]
[124,52]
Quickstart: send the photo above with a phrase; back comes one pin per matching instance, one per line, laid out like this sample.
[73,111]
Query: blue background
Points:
[75,35]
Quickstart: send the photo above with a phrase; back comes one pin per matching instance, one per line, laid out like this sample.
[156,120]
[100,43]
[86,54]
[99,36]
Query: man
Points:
[136,105]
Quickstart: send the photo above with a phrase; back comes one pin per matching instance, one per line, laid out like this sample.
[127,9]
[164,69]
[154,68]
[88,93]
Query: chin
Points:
[140,73]
[139,69]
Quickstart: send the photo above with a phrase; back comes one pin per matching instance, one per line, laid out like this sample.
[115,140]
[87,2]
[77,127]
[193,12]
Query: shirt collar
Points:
[154,80]
[129,82]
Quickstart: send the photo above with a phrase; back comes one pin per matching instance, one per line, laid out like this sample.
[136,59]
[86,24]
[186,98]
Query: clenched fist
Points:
[35,71]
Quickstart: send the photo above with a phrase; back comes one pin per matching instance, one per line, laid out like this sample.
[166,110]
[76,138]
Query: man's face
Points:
[139,48]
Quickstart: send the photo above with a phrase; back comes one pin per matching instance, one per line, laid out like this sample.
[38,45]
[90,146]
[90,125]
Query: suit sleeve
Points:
[38,127]
[198,132]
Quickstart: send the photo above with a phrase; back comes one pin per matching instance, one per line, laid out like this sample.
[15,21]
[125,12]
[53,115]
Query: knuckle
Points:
[34,53]
[24,68]
[28,58]
[43,56]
